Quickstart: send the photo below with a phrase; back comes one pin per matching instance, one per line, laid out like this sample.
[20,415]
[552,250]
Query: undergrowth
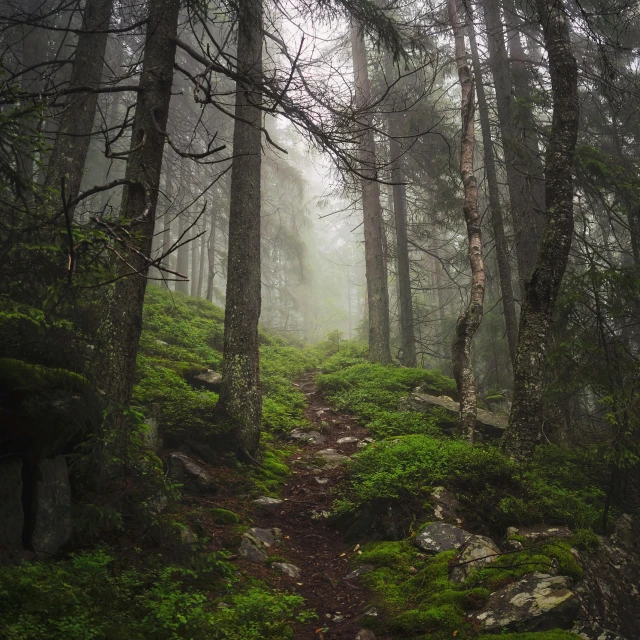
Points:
[94,595]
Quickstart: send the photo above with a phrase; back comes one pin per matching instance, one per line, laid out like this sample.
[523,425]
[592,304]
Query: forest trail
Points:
[309,543]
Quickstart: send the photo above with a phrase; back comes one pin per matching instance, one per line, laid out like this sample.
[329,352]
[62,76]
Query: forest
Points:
[319,319]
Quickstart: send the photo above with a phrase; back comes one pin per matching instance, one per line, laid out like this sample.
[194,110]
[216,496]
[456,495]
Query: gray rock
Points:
[347,440]
[610,589]
[11,513]
[540,532]
[537,602]
[332,458]
[445,505]
[307,437]
[208,379]
[250,552]
[322,480]
[267,505]
[152,437]
[193,476]
[288,569]
[592,631]
[365,634]
[319,515]
[187,537]
[473,555]
[440,536]
[491,425]
[262,537]
[360,571]
[52,507]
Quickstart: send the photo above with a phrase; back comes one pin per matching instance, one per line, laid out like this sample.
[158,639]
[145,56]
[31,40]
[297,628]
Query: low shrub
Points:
[91,595]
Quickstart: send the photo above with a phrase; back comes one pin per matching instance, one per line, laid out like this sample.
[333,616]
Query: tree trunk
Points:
[194,262]
[201,261]
[520,438]
[405,301]
[182,268]
[497,221]
[520,199]
[240,403]
[377,287]
[211,256]
[470,319]
[76,122]
[122,324]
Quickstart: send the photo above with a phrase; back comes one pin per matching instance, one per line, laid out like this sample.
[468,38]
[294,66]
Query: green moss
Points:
[25,378]
[269,478]
[224,516]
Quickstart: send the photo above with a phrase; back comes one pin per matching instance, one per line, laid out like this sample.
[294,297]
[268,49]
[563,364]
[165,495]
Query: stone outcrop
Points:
[187,471]
[537,602]
[490,425]
[610,589]
[11,511]
[208,379]
[267,505]
[256,541]
[473,555]
[52,525]
[288,569]
[440,536]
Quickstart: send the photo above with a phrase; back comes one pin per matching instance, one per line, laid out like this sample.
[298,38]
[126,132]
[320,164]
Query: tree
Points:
[240,402]
[471,317]
[497,219]
[122,323]
[541,293]
[377,289]
[76,121]
[407,331]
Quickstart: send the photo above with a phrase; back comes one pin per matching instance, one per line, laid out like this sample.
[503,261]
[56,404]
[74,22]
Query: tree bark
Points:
[194,262]
[525,421]
[497,220]
[201,261]
[182,268]
[211,256]
[240,403]
[521,202]
[377,286]
[76,121]
[122,322]
[471,317]
[405,306]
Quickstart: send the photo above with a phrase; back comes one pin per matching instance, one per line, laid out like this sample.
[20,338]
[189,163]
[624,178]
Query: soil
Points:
[313,545]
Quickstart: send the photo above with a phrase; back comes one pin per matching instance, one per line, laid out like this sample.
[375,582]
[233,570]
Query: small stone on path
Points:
[361,570]
[321,480]
[332,458]
[250,552]
[289,569]
[268,505]
[347,440]
[307,437]
[366,634]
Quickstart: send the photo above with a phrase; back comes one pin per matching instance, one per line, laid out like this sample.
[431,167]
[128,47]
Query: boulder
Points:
[347,440]
[610,588]
[192,475]
[441,536]
[490,425]
[332,458]
[250,552]
[537,533]
[288,569]
[52,522]
[537,602]
[11,512]
[267,505]
[445,505]
[590,631]
[473,555]
[307,437]
[209,379]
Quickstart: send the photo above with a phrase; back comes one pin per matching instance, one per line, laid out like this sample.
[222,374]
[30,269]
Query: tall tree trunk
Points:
[405,301]
[497,221]
[122,324]
[240,403]
[182,268]
[211,256]
[76,121]
[521,202]
[201,261]
[166,218]
[194,262]
[377,286]
[525,421]
[470,319]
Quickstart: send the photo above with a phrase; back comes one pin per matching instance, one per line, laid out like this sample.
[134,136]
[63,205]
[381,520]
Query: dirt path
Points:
[309,543]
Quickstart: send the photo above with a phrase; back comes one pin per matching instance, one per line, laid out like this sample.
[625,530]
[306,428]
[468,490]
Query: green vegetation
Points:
[181,338]
[395,475]
[93,595]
